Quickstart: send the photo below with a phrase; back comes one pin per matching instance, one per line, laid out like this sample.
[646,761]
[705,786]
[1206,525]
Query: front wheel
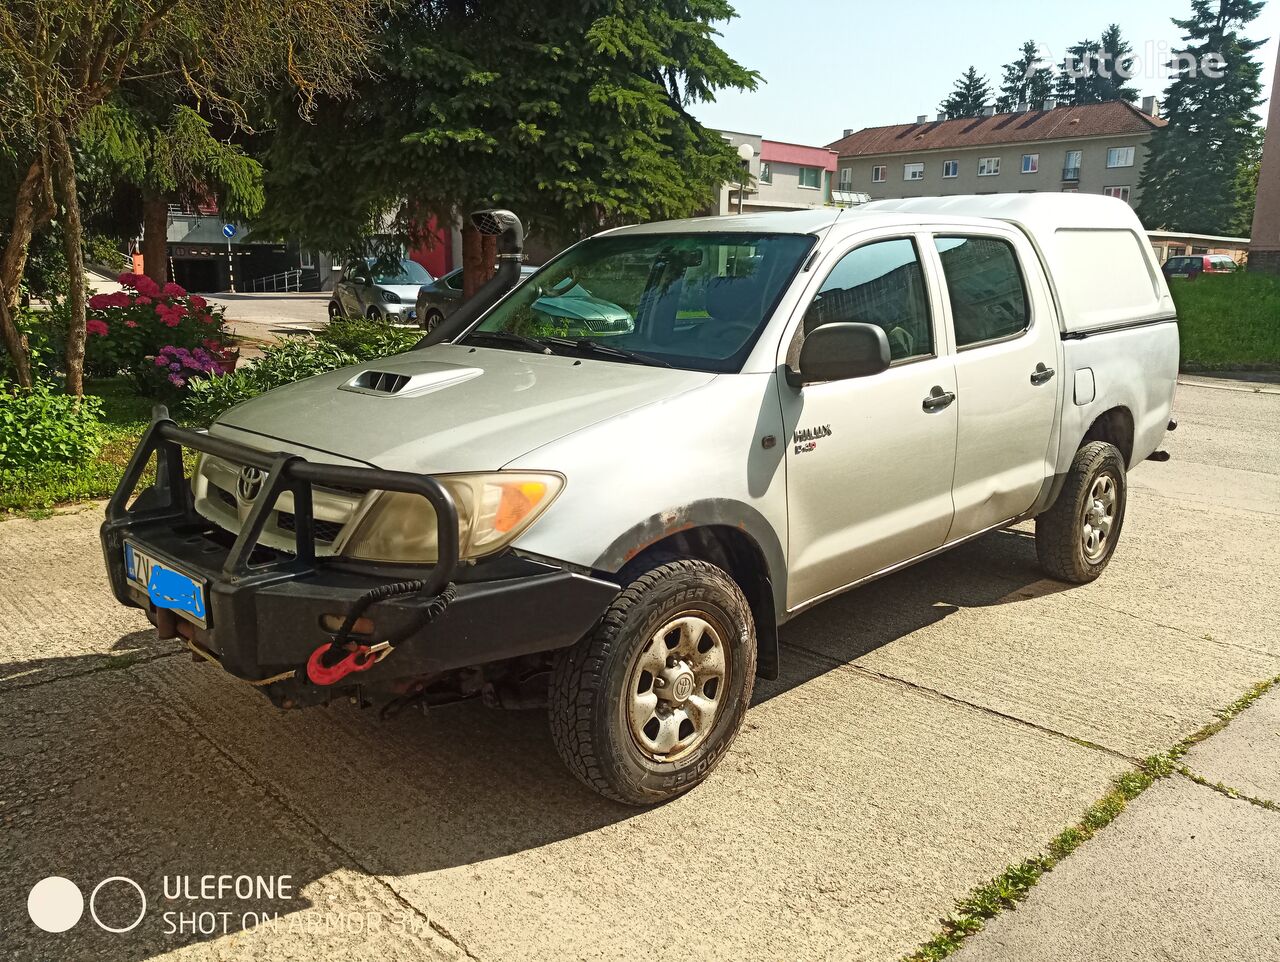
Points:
[1077,536]
[373,314]
[644,708]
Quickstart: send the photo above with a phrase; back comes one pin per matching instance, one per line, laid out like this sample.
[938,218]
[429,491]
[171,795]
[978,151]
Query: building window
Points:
[988,166]
[766,172]
[306,259]
[879,174]
[1120,193]
[811,177]
[1071,190]
[951,168]
[1071,165]
[1030,163]
[1120,157]
[846,178]
[913,171]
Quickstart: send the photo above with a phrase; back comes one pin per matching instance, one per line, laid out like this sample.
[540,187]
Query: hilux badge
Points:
[806,439]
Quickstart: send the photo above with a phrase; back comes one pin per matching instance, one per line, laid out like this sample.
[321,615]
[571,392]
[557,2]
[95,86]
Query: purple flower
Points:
[161,361]
[176,381]
[175,366]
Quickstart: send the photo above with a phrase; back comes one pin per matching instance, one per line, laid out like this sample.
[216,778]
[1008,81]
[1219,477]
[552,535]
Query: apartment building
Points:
[1095,149]
[781,176]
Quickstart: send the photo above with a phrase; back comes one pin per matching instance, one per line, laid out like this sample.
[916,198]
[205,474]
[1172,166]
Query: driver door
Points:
[870,459]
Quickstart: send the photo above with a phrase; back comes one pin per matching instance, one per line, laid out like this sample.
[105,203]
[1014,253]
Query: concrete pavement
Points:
[928,730]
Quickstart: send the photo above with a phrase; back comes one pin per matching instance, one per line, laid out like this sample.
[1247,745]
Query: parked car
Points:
[615,526]
[367,290]
[439,298]
[1191,265]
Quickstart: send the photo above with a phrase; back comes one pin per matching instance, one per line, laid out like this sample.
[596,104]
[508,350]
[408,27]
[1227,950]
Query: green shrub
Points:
[280,364]
[40,426]
[1228,321]
[367,339]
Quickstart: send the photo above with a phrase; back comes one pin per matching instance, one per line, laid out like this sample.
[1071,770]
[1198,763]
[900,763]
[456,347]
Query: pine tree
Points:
[969,96]
[1026,80]
[1096,71]
[1189,182]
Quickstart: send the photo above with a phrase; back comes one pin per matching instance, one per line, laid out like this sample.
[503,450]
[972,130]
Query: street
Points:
[928,730]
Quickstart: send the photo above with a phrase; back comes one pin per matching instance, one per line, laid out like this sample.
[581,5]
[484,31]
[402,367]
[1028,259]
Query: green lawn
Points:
[1228,321]
[126,416]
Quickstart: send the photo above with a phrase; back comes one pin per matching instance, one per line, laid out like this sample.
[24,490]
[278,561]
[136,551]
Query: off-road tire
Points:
[1059,542]
[590,683]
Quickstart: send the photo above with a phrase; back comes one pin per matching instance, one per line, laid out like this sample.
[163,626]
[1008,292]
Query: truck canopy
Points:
[1101,268]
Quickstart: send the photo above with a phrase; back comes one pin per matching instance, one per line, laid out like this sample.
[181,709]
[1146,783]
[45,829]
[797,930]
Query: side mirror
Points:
[359,280]
[835,352]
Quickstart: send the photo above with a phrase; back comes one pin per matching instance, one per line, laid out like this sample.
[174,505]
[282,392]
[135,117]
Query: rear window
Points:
[1182,263]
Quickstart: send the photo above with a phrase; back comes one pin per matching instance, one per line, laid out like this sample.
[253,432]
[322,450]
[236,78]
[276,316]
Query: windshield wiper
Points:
[510,337]
[595,347]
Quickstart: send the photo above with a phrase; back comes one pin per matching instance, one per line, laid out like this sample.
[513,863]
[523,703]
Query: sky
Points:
[831,65]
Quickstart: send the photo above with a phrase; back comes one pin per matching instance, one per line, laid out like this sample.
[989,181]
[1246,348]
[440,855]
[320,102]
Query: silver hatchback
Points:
[366,291]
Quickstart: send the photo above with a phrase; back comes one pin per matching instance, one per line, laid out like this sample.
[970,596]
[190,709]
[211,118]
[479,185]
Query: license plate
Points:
[165,585]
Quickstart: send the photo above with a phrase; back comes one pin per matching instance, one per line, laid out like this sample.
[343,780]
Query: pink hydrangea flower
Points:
[142,299]
[100,302]
[176,381]
[146,286]
[130,323]
[174,290]
[198,302]
[95,326]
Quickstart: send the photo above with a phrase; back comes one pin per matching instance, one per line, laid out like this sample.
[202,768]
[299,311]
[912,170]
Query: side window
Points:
[879,283]
[988,298]
[454,281]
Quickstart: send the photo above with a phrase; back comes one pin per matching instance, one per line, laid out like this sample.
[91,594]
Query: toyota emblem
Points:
[249,484]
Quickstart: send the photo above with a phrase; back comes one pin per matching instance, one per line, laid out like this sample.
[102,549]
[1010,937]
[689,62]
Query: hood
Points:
[408,293]
[449,408]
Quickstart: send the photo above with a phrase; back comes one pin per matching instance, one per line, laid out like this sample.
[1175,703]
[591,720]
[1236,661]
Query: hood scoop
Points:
[402,384]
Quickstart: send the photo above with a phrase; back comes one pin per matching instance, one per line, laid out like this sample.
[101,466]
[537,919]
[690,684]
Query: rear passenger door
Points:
[1006,341]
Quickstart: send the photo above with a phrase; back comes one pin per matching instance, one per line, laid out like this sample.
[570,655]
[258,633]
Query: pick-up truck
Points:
[615,526]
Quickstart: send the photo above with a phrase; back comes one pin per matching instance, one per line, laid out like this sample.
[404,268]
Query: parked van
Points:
[615,526]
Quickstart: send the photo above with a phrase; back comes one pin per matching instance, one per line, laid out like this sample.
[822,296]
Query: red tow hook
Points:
[362,659]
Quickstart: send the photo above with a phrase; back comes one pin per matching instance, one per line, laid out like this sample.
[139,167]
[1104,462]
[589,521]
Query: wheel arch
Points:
[1115,426]
[747,550]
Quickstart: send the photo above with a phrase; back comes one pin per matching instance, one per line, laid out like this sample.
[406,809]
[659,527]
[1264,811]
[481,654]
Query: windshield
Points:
[411,272]
[694,301]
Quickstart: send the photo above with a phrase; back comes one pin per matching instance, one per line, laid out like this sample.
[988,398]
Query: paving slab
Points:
[1245,755]
[982,624]
[102,780]
[1183,874]
[55,602]
[849,816]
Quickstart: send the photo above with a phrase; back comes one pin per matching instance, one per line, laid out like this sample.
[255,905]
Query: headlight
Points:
[493,509]
[391,297]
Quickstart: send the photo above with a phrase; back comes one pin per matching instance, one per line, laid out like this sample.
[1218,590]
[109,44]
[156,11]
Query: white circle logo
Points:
[55,903]
[117,878]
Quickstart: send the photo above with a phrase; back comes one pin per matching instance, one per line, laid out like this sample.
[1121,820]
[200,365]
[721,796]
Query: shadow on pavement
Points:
[169,769]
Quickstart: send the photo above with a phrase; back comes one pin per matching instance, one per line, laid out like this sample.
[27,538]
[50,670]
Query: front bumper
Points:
[267,610]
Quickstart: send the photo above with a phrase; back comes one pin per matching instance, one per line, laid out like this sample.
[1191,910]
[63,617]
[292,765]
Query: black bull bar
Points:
[169,504]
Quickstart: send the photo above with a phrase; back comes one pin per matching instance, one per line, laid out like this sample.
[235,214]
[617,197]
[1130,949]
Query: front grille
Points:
[226,497]
[326,531]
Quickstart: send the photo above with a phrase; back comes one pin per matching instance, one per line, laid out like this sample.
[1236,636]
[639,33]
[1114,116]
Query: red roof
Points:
[1061,123]
[778,152]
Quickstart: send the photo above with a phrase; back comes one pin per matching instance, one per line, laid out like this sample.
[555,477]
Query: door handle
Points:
[938,399]
[1041,374]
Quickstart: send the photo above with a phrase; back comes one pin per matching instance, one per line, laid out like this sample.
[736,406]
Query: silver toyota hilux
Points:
[615,526]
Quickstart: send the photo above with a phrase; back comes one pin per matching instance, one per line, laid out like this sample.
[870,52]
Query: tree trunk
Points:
[155,231]
[30,211]
[64,170]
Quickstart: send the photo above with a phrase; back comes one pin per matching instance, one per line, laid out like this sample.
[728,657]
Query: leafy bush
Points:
[41,426]
[1228,321]
[367,339]
[280,364]
[44,331]
[127,328]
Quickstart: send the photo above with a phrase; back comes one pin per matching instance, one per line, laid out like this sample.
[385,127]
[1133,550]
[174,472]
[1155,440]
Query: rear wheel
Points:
[432,320]
[644,708]
[1077,536]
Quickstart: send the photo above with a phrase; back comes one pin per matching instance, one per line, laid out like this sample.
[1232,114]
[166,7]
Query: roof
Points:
[1040,213]
[1060,123]
[781,222]
[779,152]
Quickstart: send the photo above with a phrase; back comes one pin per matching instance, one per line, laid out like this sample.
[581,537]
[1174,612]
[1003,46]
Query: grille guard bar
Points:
[283,472]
